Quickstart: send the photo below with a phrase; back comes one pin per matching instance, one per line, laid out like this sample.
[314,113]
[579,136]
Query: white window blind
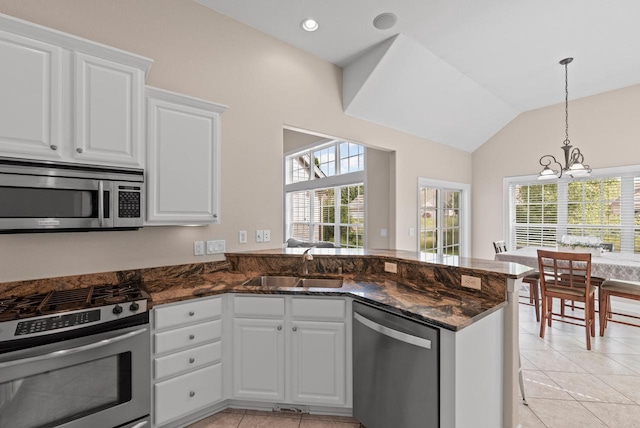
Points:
[605,205]
[324,190]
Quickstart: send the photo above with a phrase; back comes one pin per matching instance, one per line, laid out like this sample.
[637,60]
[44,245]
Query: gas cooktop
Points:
[56,302]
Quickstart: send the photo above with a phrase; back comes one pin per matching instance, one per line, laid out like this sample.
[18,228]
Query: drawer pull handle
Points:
[279,327]
[192,394]
[191,313]
[192,360]
[295,329]
[191,336]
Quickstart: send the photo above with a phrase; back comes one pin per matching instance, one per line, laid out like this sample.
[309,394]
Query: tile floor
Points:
[238,418]
[569,387]
[566,385]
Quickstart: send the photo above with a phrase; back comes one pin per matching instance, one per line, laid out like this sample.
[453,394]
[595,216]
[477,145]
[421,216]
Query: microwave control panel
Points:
[129,202]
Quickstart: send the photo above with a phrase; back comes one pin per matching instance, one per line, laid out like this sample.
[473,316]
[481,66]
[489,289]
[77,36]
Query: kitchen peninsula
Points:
[477,328]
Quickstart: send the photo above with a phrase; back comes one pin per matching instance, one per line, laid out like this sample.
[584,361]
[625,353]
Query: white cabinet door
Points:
[107,111]
[318,356]
[183,159]
[31,103]
[258,359]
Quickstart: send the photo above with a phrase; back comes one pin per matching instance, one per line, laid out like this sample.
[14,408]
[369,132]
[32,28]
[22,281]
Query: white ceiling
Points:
[460,69]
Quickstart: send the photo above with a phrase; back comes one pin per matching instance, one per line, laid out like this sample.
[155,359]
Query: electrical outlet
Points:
[383,233]
[259,235]
[198,248]
[390,267]
[471,282]
[266,235]
[242,237]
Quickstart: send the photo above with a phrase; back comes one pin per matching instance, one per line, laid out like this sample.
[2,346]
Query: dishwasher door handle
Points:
[394,334]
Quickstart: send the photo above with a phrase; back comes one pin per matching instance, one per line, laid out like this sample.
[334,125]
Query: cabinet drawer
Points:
[184,313]
[263,307]
[187,336]
[187,360]
[184,394]
[317,308]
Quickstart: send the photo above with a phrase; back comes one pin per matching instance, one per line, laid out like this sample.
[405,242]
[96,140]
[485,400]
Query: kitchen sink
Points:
[274,281]
[321,282]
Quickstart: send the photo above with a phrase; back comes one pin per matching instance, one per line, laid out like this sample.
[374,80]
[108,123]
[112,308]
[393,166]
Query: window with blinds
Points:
[606,206]
[324,193]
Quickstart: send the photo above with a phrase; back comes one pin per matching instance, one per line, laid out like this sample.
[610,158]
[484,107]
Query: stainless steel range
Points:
[75,358]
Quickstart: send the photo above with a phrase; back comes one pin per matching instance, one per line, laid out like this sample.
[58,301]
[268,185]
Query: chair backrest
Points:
[568,270]
[499,246]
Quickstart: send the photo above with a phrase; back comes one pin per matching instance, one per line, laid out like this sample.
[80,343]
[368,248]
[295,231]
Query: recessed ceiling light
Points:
[309,24]
[384,21]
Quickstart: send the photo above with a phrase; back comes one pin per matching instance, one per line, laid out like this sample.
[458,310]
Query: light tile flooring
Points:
[567,386]
[238,418]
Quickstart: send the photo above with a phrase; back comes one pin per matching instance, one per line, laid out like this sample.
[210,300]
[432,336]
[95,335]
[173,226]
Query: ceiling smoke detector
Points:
[384,21]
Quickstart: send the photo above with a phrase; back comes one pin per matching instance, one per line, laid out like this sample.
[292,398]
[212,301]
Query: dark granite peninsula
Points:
[478,328]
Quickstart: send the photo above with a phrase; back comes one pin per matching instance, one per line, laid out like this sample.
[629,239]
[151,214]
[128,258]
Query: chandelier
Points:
[573,160]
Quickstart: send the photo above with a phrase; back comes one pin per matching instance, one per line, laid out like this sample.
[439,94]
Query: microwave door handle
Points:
[70,351]
[101,203]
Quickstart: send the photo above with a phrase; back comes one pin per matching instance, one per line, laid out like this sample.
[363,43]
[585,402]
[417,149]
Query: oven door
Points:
[37,202]
[102,380]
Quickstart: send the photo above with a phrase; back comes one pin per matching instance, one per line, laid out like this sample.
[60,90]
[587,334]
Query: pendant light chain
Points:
[566,104]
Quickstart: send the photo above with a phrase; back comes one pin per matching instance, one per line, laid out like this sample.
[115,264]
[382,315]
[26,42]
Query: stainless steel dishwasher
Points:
[395,370]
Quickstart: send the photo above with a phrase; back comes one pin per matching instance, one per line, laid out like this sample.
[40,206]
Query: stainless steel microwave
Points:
[41,196]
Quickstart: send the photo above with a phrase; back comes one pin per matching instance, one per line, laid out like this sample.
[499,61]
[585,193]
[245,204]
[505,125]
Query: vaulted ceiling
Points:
[457,71]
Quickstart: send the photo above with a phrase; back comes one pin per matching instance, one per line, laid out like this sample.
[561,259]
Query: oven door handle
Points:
[70,351]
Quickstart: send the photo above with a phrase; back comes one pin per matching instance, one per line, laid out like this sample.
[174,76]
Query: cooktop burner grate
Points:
[69,300]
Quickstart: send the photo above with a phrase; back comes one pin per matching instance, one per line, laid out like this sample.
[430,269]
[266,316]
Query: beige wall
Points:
[605,128]
[266,84]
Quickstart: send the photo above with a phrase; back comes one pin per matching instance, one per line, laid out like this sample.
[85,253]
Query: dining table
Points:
[608,265]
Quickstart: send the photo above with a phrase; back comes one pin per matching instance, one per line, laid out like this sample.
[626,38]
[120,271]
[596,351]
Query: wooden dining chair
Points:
[531,280]
[566,276]
[620,289]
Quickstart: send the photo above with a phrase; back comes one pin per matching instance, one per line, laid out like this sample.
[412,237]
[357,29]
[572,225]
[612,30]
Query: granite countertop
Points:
[426,288]
[440,308]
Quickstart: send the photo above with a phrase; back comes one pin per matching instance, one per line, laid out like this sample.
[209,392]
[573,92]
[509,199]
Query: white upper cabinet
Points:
[183,159]
[31,102]
[69,99]
[108,111]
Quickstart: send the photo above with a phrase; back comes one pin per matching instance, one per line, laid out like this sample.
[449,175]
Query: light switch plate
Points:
[259,235]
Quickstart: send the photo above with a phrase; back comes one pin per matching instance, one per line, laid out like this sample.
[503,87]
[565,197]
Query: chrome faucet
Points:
[306,257]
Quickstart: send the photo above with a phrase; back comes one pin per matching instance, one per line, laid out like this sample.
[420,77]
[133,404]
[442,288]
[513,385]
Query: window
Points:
[605,205]
[324,193]
[442,218]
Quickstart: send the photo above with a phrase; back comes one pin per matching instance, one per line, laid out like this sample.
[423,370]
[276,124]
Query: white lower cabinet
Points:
[290,349]
[318,362]
[258,354]
[187,358]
